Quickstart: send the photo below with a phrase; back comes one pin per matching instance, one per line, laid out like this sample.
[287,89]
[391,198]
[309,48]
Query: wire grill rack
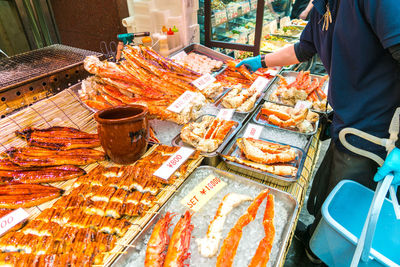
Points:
[37,63]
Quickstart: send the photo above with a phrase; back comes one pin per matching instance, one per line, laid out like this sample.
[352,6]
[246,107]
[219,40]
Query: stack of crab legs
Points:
[177,247]
[144,77]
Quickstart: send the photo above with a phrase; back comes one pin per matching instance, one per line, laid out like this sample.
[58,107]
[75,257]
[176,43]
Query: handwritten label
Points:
[226,113]
[259,84]
[272,72]
[204,81]
[181,102]
[303,105]
[180,56]
[203,192]
[10,220]
[173,163]
[253,131]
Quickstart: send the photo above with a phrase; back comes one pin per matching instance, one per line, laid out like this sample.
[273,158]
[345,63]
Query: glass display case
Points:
[235,27]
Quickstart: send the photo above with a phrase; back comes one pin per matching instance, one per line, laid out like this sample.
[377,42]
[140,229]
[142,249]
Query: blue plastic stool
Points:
[344,213]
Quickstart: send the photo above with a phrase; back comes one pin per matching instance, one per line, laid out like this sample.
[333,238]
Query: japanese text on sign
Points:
[173,163]
[253,131]
[10,220]
[259,84]
[303,105]
[181,55]
[204,81]
[181,102]
[226,113]
[203,192]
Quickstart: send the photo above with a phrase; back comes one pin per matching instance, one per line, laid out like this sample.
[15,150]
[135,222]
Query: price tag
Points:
[285,21]
[180,56]
[272,72]
[202,193]
[226,113]
[181,102]
[173,163]
[303,105]
[13,218]
[259,84]
[204,81]
[253,131]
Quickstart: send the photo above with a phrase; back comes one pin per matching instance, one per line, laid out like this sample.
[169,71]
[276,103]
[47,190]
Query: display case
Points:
[237,26]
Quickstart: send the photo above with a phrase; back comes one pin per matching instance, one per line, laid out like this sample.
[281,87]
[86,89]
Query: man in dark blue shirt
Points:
[358,42]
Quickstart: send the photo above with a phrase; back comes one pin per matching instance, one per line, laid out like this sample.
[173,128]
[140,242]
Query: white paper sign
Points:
[253,131]
[204,81]
[272,72]
[259,84]
[13,218]
[173,163]
[180,56]
[226,113]
[181,102]
[303,105]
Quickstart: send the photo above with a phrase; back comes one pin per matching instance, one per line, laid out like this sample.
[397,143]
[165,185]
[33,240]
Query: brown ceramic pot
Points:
[123,132]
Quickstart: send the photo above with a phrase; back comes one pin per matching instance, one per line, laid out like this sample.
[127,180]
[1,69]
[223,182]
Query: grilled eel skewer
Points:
[59,138]
[39,157]
[10,172]
[15,196]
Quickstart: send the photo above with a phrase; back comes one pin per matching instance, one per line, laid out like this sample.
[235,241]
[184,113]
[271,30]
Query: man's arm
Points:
[283,57]
[303,15]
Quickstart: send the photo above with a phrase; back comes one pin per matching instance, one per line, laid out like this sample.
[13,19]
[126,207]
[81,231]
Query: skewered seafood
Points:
[283,170]
[208,134]
[240,99]
[10,172]
[199,63]
[59,138]
[15,196]
[288,117]
[180,242]
[35,156]
[231,242]
[265,152]
[158,242]
[208,246]
[261,257]
[302,89]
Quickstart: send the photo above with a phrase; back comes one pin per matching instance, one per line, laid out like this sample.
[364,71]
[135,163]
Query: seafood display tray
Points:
[233,150]
[285,210]
[291,76]
[177,141]
[203,50]
[256,119]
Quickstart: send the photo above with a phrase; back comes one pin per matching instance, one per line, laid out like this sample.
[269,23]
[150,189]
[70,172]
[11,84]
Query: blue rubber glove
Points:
[252,63]
[391,165]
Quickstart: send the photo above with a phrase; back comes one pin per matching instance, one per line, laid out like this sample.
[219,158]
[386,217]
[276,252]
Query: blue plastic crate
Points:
[343,215]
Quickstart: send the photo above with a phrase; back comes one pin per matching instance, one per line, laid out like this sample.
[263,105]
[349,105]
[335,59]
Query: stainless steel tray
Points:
[285,212]
[256,118]
[201,49]
[177,141]
[233,150]
[291,76]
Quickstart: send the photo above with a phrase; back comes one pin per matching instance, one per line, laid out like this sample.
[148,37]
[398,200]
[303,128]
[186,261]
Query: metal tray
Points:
[233,150]
[203,50]
[177,141]
[292,76]
[256,119]
[284,202]
[289,40]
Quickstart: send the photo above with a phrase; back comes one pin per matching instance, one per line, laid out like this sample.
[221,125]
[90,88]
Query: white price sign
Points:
[13,218]
[259,84]
[173,163]
[226,113]
[180,56]
[253,131]
[204,81]
[272,72]
[303,105]
[181,102]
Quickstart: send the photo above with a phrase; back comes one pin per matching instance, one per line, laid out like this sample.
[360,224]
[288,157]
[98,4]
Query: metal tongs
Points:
[364,244]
